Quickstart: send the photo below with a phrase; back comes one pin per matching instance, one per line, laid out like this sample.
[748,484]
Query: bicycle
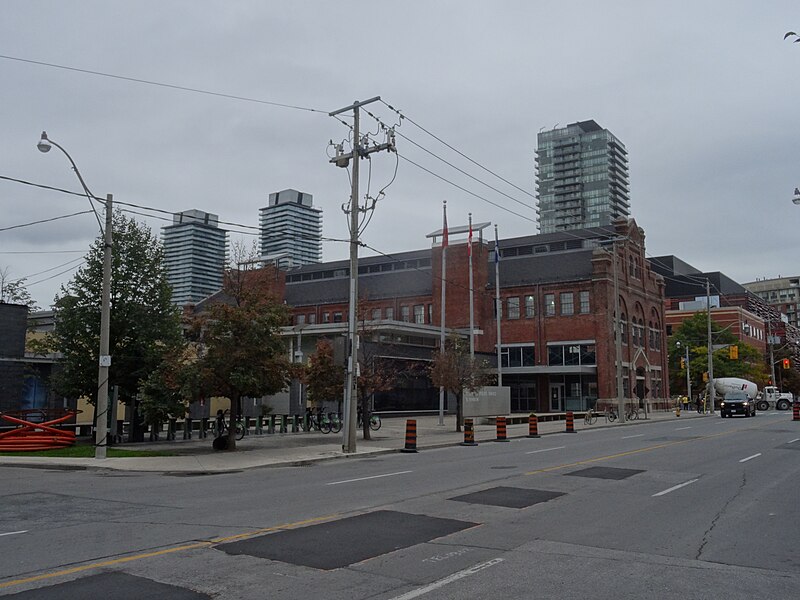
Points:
[590,417]
[335,421]
[221,425]
[374,421]
[633,413]
[610,414]
[318,420]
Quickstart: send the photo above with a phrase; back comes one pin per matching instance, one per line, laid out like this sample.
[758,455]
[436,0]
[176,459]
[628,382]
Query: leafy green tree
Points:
[693,333]
[240,351]
[455,370]
[144,323]
[13,291]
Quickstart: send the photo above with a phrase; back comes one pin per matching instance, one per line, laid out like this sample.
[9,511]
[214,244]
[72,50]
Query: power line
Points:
[164,85]
[54,268]
[56,275]
[83,212]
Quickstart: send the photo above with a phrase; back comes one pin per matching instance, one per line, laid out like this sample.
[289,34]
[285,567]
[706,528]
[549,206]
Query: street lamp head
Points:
[44,144]
[796,197]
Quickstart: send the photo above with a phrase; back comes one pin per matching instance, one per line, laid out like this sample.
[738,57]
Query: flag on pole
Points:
[469,239]
[445,236]
[496,248]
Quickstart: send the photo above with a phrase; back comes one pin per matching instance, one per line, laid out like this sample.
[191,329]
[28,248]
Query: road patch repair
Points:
[116,585]
[605,473]
[337,544]
[510,497]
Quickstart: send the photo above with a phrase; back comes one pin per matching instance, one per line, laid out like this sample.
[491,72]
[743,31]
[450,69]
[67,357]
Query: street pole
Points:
[101,442]
[771,348]
[471,296]
[351,383]
[497,306]
[442,316]
[711,393]
[688,376]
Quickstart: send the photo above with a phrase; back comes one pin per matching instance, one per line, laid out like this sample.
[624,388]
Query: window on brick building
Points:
[549,305]
[405,313]
[390,313]
[513,307]
[312,318]
[300,319]
[376,314]
[419,313]
[567,303]
[430,313]
[326,317]
[584,303]
[337,317]
[530,307]
[517,356]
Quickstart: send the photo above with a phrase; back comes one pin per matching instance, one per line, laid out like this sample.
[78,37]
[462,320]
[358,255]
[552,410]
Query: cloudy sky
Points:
[704,94]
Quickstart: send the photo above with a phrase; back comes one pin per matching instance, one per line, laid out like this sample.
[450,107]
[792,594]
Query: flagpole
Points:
[497,311]
[445,242]
[471,295]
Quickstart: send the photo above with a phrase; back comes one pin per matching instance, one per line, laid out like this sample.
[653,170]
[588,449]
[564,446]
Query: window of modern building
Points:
[530,307]
[419,313]
[549,305]
[405,313]
[571,354]
[390,313]
[513,307]
[584,303]
[376,314]
[567,303]
[517,356]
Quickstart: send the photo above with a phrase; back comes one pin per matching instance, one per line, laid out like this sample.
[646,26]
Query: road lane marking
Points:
[26,531]
[674,487]
[627,437]
[546,450]
[449,579]
[750,457]
[134,557]
[793,441]
[371,477]
[681,428]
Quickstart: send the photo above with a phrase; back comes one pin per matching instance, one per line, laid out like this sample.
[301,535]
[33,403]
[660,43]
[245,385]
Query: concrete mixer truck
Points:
[768,398]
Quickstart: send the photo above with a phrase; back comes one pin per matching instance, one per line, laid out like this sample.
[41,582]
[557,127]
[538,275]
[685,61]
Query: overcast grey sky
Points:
[704,94]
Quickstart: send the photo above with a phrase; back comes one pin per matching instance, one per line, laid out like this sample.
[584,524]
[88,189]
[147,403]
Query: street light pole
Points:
[101,408]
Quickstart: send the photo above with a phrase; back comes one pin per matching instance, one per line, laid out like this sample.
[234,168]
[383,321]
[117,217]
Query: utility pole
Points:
[343,160]
[711,392]
[618,339]
[101,441]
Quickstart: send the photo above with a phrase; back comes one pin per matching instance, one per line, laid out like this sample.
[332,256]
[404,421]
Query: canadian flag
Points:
[469,239]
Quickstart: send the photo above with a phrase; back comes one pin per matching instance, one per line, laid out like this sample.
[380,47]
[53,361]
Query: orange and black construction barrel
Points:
[796,411]
[570,422]
[533,426]
[469,433]
[411,436]
[501,430]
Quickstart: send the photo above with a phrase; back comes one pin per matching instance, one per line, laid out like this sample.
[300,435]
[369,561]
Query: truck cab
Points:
[771,397]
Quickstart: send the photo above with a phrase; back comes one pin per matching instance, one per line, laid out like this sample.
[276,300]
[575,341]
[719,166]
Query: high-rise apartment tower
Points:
[194,255]
[291,229]
[581,178]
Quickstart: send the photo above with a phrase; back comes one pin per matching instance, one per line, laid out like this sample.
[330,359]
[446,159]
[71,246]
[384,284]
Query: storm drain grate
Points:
[347,541]
[509,497]
[116,585]
[605,473]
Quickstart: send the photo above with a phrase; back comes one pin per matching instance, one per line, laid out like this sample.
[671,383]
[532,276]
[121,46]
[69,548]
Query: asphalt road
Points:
[708,508]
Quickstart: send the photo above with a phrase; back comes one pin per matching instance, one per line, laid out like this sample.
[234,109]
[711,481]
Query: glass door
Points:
[556,397]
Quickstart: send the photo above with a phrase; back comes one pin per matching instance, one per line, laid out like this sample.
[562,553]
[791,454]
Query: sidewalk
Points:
[297,449]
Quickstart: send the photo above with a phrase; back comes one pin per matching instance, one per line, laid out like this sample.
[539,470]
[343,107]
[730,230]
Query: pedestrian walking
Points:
[699,404]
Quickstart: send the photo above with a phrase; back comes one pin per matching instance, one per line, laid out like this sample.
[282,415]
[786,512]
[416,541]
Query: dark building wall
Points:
[13,324]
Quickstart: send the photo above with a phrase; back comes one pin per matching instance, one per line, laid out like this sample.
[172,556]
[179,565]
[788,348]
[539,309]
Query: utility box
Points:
[489,401]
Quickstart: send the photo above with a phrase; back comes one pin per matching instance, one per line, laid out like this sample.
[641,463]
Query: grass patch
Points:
[87,451]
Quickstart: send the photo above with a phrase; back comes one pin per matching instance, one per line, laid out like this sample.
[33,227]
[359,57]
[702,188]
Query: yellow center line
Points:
[192,546]
[629,452]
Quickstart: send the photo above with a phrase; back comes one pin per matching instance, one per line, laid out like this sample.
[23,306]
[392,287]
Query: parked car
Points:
[737,403]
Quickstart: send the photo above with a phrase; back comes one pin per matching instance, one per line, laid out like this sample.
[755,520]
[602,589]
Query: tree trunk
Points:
[365,418]
[234,417]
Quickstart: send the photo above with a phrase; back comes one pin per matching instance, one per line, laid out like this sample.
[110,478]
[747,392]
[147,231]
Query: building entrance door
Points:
[556,397]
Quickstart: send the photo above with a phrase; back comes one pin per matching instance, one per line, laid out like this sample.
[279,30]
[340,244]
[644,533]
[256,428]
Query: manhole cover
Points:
[116,585]
[605,473]
[509,497]
[340,543]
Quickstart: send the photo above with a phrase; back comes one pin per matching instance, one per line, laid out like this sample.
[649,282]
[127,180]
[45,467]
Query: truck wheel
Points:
[782,405]
[763,405]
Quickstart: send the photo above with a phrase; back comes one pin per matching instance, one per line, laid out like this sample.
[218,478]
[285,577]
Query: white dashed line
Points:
[627,437]
[546,450]
[13,532]
[372,477]
[674,487]
[681,428]
[750,457]
[449,579]
[793,441]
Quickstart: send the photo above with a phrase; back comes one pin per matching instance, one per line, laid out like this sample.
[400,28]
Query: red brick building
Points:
[557,304]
